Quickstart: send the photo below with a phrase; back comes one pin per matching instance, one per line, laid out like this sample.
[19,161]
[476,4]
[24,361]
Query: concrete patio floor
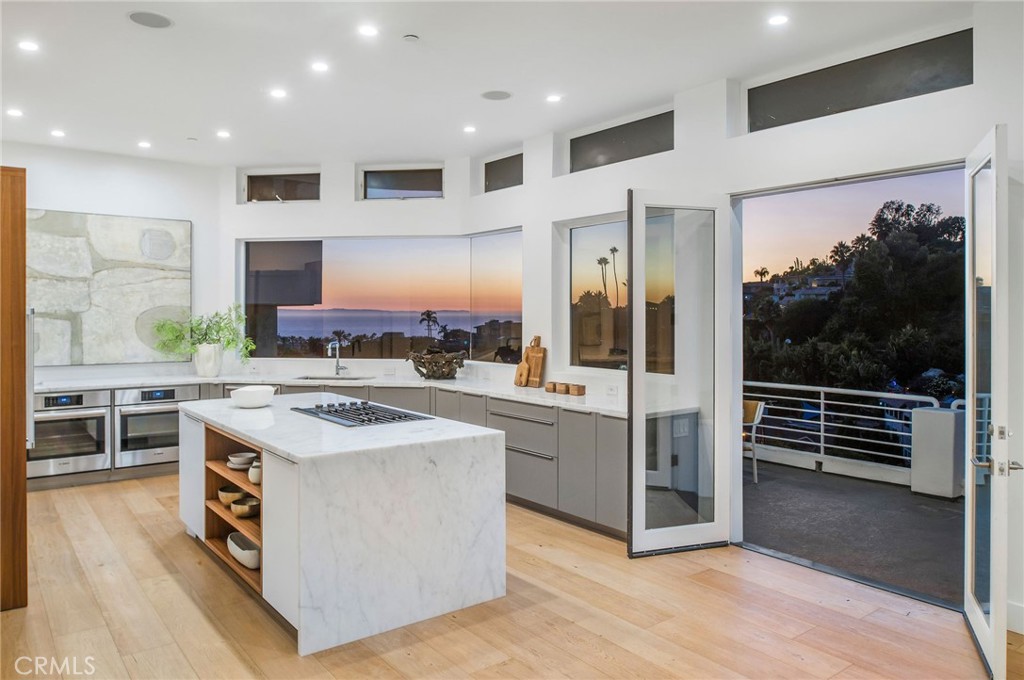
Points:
[881,532]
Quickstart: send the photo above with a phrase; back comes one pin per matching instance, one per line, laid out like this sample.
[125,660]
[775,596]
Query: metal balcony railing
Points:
[828,421]
[983,417]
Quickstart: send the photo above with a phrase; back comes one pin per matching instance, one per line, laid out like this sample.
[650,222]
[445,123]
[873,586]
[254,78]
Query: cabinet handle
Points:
[192,418]
[279,457]
[516,416]
[528,452]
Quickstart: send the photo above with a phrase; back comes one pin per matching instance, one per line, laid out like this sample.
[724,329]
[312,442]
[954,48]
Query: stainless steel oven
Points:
[146,424]
[72,433]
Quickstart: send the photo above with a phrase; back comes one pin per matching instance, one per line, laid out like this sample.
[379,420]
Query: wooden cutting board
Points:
[534,358]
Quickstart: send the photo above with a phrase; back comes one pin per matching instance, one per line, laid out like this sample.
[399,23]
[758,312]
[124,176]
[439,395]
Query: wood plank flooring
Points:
[113,576]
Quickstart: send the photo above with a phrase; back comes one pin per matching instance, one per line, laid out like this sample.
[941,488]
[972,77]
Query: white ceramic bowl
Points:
[243,550]
[242,458]
[252,396]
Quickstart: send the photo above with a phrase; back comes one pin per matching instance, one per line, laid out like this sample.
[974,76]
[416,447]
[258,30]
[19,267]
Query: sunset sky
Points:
[403,274]
[806,224]
[588,244]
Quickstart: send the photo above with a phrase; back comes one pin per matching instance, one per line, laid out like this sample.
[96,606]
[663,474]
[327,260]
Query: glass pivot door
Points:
[989,316]
[680,358]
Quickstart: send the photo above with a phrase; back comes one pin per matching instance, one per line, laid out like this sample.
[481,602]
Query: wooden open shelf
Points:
[250,526]
[239,478]
[220,521]
[251,576]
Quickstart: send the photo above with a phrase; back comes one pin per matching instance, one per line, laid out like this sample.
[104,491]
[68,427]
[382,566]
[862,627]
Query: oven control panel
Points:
[157,395]
[63,401]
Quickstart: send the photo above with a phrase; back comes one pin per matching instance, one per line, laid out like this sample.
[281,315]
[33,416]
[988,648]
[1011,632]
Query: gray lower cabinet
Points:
[446,404]
[211,391]
[577,469]
[531,476]
[409,398]
[356,392]
[473,409]
[611,472]
[531,449]
[299,389]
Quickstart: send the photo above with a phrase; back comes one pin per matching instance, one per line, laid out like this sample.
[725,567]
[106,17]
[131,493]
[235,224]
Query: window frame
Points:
[361,170]
[561,322]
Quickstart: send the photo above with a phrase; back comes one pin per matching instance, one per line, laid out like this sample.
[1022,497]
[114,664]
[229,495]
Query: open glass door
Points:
[988,464]
[679,392]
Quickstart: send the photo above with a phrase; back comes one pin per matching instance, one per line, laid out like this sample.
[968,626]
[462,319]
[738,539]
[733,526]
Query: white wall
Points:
[89,182]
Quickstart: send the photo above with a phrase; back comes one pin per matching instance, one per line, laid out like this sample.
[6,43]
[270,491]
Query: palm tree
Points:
[342,336]
[762,273]
[603,263]
[429,317]
[861,242]
[841,255]
[615,273]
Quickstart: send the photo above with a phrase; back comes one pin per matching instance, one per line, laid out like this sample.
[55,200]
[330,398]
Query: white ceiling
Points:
[109,83]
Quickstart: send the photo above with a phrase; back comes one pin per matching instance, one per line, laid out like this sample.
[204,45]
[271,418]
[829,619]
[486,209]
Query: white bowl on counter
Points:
[242,549]
[252,396]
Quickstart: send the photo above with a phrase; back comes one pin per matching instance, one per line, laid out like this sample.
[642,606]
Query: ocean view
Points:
[321,322]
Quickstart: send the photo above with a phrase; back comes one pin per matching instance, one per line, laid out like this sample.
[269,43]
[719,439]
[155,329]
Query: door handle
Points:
[1014,465]
[979,463]
[30,378]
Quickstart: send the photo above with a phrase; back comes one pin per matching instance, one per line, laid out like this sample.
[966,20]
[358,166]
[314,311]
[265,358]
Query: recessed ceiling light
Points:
[223,134]
[368,30]
[469,128]
[28,46]
[144,145]
[778,20]
[553,98]
[57,133]
[496,95]
[150,19]
[319,66]
[278,93]
[16,113]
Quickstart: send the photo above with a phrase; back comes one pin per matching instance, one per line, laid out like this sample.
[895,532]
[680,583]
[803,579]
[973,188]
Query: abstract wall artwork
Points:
[98,282]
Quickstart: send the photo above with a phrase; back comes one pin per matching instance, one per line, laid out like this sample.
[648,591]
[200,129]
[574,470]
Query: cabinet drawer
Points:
[299,389]
[536,436]
[473,408]
[415,399]
[362,393]
[531,477]
[446,404]
[532,412]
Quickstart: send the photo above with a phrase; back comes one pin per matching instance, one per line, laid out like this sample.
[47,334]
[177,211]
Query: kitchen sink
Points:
[332,378]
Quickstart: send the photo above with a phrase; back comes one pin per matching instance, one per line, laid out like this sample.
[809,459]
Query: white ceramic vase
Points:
[208,360]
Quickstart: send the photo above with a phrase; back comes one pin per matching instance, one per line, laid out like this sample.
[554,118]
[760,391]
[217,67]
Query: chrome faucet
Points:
[336,346]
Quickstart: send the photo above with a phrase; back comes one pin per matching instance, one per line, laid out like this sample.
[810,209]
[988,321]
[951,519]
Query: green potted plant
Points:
[206,337]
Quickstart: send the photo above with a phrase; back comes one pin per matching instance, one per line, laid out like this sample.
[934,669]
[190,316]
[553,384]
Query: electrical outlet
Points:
[389,371]
[680,427]
[611,391]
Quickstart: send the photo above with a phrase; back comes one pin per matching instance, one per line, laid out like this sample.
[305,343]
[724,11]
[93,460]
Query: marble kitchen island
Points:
[361,529]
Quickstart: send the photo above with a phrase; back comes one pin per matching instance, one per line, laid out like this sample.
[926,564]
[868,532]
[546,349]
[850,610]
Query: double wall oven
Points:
[72,433]
[146,424]
[88,431]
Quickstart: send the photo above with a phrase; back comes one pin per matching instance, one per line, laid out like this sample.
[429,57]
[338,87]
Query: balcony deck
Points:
[873,530]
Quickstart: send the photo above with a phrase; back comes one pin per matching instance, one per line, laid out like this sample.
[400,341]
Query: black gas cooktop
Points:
[360,413]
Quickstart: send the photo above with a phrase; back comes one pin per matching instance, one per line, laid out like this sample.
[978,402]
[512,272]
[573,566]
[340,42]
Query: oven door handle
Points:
[71,414]
[147,408]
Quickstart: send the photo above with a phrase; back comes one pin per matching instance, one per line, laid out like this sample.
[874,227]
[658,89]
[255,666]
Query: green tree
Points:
[841,256]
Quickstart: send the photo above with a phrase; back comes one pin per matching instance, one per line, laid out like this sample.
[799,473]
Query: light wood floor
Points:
[114,576]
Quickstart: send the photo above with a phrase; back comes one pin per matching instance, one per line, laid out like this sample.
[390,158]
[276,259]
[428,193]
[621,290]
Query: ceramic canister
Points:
[256,472]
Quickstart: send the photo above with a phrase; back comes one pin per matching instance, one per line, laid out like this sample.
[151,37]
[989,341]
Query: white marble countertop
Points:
[298,436]
[614,406]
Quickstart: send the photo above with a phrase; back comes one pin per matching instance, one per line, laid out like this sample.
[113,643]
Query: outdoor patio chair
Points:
[752,412]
